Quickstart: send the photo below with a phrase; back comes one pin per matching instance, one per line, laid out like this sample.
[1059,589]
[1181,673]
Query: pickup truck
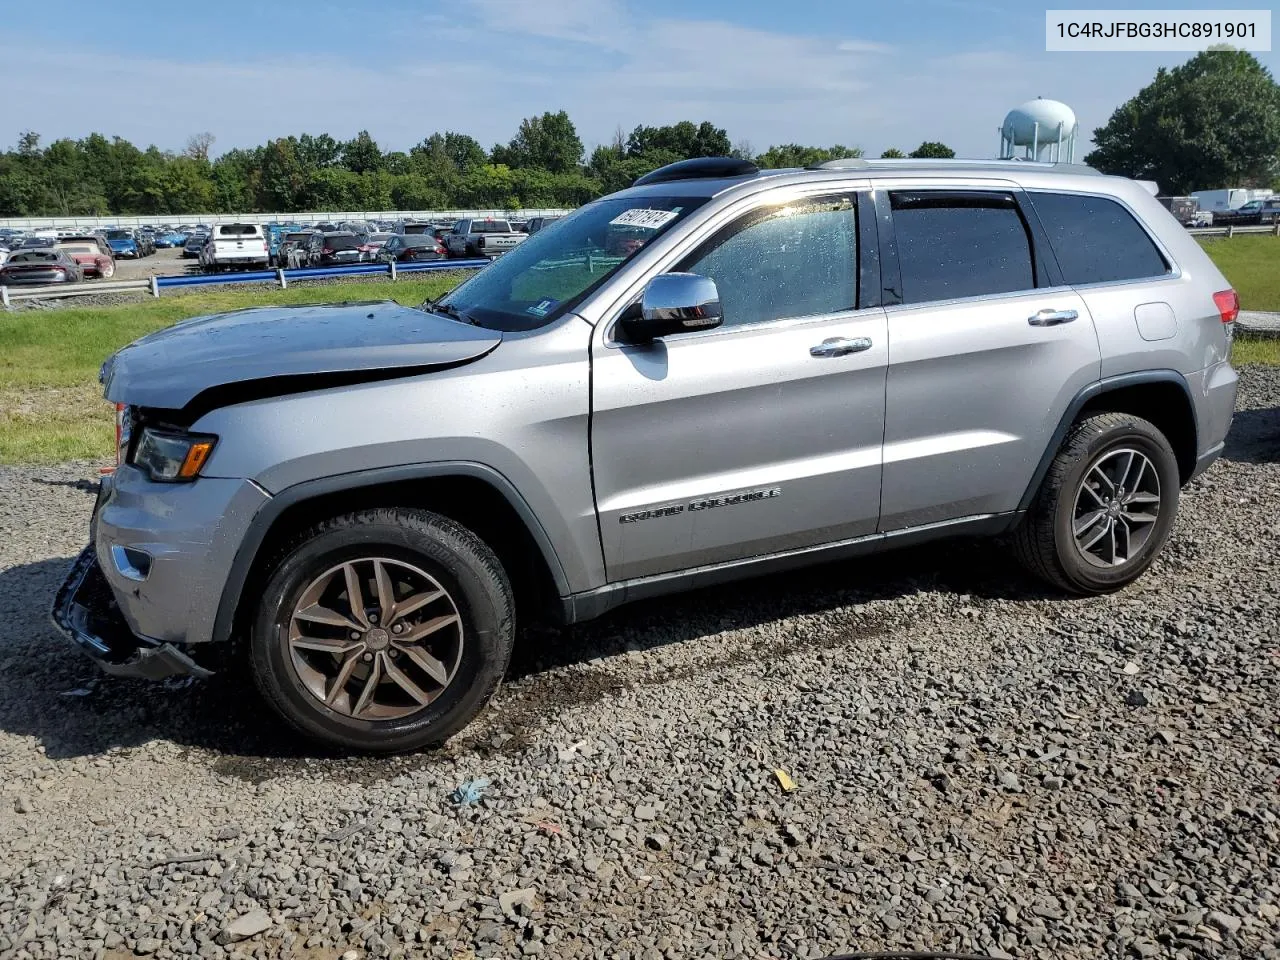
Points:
[482,238]
[235,245]
[1252,214]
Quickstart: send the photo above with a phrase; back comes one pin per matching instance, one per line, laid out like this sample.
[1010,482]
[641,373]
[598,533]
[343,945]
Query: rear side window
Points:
[954,245]
[1097,240]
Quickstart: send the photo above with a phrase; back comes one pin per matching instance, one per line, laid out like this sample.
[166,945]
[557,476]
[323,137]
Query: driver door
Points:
[758,436]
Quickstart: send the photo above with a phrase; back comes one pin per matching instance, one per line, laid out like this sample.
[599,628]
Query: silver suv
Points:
[718,373]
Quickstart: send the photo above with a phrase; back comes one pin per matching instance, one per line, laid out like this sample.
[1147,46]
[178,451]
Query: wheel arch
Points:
[1161,397]
[473,494]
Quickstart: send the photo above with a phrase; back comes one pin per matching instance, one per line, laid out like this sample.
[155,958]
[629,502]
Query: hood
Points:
[86,257]
[121,244]
[265,351]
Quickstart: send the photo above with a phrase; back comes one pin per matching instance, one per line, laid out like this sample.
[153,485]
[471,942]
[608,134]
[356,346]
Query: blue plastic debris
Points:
[470,793]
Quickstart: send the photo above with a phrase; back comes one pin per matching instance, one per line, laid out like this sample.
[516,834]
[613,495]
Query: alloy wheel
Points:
[1116,507]
[375,638]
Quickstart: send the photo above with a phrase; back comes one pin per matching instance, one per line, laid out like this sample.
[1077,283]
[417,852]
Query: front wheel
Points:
[1105,508]
[385,630]
[107,271]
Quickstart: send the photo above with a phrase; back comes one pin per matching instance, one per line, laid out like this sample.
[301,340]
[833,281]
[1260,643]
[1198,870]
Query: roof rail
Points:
[699,168]
[862,163]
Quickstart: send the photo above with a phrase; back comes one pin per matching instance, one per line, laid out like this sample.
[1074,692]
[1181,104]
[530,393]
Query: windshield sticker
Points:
[640,217]
[542,307]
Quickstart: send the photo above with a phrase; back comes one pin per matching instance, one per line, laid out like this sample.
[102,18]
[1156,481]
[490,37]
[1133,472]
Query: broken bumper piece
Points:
[86,612]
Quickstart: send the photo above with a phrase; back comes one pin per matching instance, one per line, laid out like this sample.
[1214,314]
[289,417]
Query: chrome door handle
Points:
[1051,318]
[840,346]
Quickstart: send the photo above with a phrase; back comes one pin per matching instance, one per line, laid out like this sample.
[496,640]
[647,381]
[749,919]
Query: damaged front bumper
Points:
[86,611]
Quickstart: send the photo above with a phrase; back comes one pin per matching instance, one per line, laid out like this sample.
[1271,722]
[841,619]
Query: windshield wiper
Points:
[449,310]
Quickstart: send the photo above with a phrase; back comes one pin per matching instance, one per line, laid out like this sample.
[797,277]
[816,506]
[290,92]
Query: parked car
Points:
[170,239]
[92,253]
[294,249]
[1254,213]
[333,249]
[234,245]
[1232,198]
[194,244]
[567,434]
[40,266]
[124,243]
[537,223]
[146,242]
[372,243]
[483,238]
[412,249]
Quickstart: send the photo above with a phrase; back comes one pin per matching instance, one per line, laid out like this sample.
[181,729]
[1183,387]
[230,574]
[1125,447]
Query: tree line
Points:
[543,165]
[1212,122]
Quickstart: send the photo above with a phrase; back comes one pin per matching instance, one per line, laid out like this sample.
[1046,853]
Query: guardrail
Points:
[279,276]
[1230,230]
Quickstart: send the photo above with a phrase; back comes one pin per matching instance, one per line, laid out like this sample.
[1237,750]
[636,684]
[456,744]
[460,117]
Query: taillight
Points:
[1228,303]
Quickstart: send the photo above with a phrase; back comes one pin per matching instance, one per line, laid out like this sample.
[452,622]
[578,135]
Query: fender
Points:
[321,486]
[1096,389]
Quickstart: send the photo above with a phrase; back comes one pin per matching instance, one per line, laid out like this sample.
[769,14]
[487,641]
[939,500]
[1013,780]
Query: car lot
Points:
[980,765]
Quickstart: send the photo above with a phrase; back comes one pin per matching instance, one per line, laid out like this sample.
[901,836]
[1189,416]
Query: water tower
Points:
[1040,129]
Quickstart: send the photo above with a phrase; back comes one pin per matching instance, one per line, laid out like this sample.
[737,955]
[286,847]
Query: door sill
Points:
[593,603]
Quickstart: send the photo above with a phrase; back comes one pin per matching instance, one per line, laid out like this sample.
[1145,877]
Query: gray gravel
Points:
[979,765]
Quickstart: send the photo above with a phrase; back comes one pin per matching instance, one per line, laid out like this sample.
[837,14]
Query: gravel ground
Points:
[979,765]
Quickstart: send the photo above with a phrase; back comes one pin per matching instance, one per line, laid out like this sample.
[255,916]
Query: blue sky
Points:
[873,75]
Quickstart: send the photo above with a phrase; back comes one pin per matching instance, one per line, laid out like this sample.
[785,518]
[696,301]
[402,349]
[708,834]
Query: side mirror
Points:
[673,303]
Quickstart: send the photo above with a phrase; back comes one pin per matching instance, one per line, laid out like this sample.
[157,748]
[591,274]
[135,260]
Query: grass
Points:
[1252,263]
[51,407]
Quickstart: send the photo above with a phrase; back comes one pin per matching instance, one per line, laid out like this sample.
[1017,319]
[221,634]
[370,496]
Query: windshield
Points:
[119,235]
[76,248]
[555,268]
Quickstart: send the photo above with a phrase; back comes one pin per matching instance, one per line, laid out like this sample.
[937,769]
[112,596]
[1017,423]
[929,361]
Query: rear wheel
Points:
[1105,508]
[384,630]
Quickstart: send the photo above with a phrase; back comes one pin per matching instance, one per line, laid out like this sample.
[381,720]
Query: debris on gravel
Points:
[969,770]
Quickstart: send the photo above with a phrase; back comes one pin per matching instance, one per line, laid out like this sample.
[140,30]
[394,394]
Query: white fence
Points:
[308,216]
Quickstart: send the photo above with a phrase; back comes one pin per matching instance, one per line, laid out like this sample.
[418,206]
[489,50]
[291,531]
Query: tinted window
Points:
[238,230]
[341,241]
[1096,240]
[793,261]
[960,245]
[490,226]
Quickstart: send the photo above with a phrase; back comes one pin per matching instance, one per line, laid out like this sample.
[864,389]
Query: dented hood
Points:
[287,345]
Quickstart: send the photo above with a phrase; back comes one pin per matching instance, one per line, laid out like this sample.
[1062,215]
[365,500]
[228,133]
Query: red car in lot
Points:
[92,253]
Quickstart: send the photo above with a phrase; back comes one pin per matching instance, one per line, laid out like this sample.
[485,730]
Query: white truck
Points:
[482,238]
[1220,201]
[233,245]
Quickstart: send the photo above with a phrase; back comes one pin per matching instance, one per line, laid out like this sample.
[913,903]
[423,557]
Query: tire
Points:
[310,690]
[1046,540]
[107,272]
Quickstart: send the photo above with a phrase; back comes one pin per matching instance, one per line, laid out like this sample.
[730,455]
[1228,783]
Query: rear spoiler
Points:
[1150,186]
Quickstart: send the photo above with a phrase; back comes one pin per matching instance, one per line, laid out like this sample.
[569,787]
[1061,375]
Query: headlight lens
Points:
[169,457]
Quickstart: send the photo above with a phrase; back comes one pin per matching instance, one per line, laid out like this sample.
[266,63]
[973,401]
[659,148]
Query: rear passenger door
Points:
[987,348]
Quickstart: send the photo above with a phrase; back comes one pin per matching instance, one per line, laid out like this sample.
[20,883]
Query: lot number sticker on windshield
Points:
[542,307]
[640,217]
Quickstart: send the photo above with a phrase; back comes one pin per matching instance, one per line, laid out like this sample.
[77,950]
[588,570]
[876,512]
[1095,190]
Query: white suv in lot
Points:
[235,245]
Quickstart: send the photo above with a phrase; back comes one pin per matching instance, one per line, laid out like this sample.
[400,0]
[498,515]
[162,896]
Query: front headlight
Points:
[172,457]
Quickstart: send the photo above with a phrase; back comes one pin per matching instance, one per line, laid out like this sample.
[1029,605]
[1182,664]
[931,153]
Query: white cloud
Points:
[600,60]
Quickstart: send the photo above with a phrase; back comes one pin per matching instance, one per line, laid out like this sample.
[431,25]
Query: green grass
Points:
[51,408]
[1256,351]
[1252,263]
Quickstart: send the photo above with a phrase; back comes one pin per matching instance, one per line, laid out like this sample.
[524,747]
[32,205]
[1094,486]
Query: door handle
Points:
[840,346]
[1051,318]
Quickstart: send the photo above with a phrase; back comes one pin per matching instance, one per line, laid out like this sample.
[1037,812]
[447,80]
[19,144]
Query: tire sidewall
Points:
[1081,572]
[485,644]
